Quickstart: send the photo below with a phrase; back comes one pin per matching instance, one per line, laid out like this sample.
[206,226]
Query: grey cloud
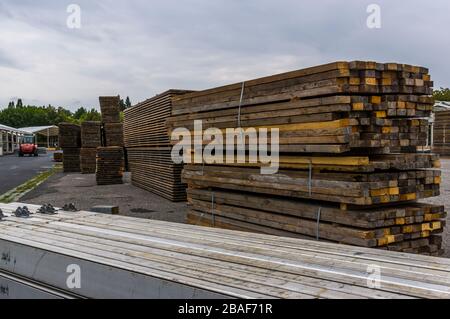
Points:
[139,48]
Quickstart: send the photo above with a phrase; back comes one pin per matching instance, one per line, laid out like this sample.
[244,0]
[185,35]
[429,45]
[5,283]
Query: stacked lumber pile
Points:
[352,136]
[91,138]
[110,108]
[441,133]
[149,150]
[58,157]
[110,165]
[70,142]
[88,160]
[113,134]
[110,159]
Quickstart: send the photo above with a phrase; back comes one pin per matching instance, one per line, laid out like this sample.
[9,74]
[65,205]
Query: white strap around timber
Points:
[240,104]
[319,213]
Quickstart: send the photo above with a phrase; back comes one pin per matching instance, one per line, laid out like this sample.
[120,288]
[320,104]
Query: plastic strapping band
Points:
[240,104]
[319,213]
[212,210]
[310,179]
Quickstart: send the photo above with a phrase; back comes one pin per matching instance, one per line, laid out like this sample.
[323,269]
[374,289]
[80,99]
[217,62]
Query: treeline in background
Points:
[18,115]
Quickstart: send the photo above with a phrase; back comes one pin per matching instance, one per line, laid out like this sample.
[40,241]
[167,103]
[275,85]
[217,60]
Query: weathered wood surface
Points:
[91,134]
[110,165]
[149,150]
[382,227]
[189,261]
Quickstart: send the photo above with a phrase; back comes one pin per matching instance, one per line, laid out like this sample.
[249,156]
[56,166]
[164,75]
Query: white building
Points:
[46,136]
[9,139]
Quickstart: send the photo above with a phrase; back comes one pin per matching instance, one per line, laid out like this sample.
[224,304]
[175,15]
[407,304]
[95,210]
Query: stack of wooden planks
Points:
[91,138]
[110,159]
[352,136]
[110,108]
[88,160]
[441,133]
[110,165]
[149,150]
[70,142]
[91,134]
[166,260]
[113,134]
[332,108]
[412,228]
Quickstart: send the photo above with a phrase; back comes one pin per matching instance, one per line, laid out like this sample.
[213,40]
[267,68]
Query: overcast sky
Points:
[140,48]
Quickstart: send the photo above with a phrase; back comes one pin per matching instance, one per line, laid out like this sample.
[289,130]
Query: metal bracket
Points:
[22,212]
[70,208]
[47,209]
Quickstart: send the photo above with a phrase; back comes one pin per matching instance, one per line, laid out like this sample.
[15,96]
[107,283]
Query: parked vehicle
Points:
[28,146]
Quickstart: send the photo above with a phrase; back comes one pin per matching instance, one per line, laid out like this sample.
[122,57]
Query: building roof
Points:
[442,106]
[11,129]
[52,129]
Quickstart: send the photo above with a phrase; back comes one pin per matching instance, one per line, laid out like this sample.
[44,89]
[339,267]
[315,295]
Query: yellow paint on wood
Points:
[358,106]
[411,196]
[370,81]
[375,100]
[381,114]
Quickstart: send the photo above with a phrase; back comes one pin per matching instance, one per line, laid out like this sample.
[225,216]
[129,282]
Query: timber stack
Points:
[91,138]
[110,159]
[149,150]
[441,133]
[70,142]
[352,164]
[110,165]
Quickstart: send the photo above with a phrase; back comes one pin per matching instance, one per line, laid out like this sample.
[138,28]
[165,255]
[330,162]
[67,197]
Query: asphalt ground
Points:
[15,171]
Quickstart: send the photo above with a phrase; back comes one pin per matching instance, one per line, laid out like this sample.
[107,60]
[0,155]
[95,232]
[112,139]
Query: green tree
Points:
[11,105]
[92,115]
[123,106]
[128,102]
[35,116]
[443,94]
[80,113]
[19,103]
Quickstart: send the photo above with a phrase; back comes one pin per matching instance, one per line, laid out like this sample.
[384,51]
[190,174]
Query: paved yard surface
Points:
[83,191]
[15,170]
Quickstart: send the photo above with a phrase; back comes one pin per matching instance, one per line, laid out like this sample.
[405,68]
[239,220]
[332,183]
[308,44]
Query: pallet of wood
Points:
[113,134]
[110,165]
[91,134]
[148,147]
[71,160]
[88,160]
[392,228]
[338,78]
[110,157]
[69,135]
[332,124]
[153,169]
[351,136]
[91,138]
[70,142]
[110,109]
[347,188]
[145,122]
[441,133]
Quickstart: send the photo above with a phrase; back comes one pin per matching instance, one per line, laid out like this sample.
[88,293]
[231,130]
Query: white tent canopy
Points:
[9,139]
